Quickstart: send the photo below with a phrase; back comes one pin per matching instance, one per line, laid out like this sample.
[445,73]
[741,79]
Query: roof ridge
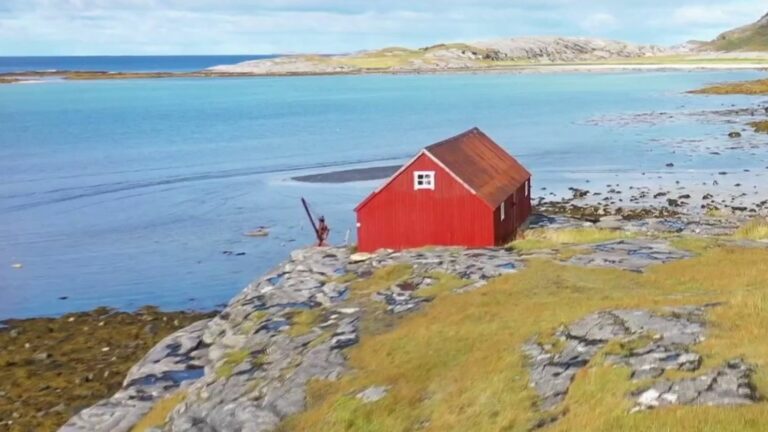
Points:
[455,137]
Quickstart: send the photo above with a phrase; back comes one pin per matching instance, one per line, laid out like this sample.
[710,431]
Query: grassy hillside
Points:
[457,365]
[753,37]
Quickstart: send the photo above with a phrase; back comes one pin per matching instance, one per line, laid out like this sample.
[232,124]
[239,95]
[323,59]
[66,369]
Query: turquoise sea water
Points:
[125,193]
[183,63]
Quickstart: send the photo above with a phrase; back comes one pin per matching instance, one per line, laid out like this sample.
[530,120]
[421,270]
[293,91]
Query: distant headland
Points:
[741,48]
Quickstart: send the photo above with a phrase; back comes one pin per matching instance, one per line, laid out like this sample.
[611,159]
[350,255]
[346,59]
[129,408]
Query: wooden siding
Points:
[518,209]
[399,217]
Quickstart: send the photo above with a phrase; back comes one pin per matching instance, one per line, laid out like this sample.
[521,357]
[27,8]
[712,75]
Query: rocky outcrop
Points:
[267,380]
[729,384]
[631,254]
[461,56]
[553,49]
[651,344]
[289,65]
[248,368]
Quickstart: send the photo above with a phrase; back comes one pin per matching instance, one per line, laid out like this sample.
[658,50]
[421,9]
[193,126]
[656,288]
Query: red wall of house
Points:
[399,217]
[518,208]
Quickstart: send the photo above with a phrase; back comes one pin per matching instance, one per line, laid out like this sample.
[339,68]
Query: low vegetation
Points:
[232,360]
[756,87]
[381,279]
[457,365]
[157,417]
[376,320]
[51,368]
[756,229]
[443,283]
[760,126]
[304,321]
[695,244]
[538,239]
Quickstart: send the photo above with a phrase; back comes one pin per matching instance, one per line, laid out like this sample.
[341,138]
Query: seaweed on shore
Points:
[755,87]
[51,368]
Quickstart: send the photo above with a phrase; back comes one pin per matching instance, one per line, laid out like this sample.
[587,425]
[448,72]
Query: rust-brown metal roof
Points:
[481,164]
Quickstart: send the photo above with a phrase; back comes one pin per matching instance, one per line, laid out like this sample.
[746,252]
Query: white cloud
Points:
[265,26]
[734,14]
[599,23]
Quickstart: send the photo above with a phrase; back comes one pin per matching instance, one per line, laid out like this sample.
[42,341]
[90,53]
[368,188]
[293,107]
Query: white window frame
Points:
[423,180]
[503,213]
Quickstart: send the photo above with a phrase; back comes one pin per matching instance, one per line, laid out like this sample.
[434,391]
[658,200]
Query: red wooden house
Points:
[464,191]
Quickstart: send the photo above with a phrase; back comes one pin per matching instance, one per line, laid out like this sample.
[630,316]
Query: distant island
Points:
[742,48]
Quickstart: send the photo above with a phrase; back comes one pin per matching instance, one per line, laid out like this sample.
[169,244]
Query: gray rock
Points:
[372,394]
[552,372]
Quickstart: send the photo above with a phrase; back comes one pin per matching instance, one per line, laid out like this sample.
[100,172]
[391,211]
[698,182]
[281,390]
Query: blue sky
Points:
[85,27]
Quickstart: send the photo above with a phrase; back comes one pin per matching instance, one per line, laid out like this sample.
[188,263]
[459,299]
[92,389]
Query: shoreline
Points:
[53,367]
[277,321]
[66,369]
[41,76]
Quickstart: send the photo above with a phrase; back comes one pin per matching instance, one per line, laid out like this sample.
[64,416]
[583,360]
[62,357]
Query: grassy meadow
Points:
[457,364]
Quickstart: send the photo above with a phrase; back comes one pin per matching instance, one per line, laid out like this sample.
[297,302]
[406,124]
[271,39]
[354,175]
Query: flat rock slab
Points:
[664,342]
[373,394]
[729,384]
[629,254]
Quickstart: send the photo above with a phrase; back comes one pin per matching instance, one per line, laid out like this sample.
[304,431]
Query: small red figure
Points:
[322,231]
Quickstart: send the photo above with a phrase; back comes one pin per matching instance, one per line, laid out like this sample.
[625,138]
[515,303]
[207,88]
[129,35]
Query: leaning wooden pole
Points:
[311,219]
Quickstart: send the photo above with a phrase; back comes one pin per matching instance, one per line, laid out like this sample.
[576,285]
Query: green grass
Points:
[626,347]
[253,322]
[756,229]
[694,244]
[540,239]
[232,360]
[754,38]
[457,365]
[346,278]
[444,283]
[304,321]
[381,279]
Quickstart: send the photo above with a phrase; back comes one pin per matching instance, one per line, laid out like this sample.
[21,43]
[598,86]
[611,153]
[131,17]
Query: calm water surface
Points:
[187,63]
[126,193]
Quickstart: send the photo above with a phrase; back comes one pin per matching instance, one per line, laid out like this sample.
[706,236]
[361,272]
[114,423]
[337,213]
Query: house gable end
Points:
[406,168]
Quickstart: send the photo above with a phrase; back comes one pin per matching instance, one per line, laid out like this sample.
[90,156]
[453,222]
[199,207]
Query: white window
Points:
[424,180]
[503,215]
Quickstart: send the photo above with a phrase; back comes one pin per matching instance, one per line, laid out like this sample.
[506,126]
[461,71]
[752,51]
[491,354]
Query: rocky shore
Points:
[51,368]
[249,367]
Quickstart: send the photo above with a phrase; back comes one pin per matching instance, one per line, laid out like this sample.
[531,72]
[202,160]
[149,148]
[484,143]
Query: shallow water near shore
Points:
[180,63]
[125,193]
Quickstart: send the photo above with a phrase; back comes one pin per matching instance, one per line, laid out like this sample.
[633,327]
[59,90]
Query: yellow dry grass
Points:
[756,229]
[304,321]
[159,413]
[457,365]
[760,126]
[544,238]
[756,87]
[695,244]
